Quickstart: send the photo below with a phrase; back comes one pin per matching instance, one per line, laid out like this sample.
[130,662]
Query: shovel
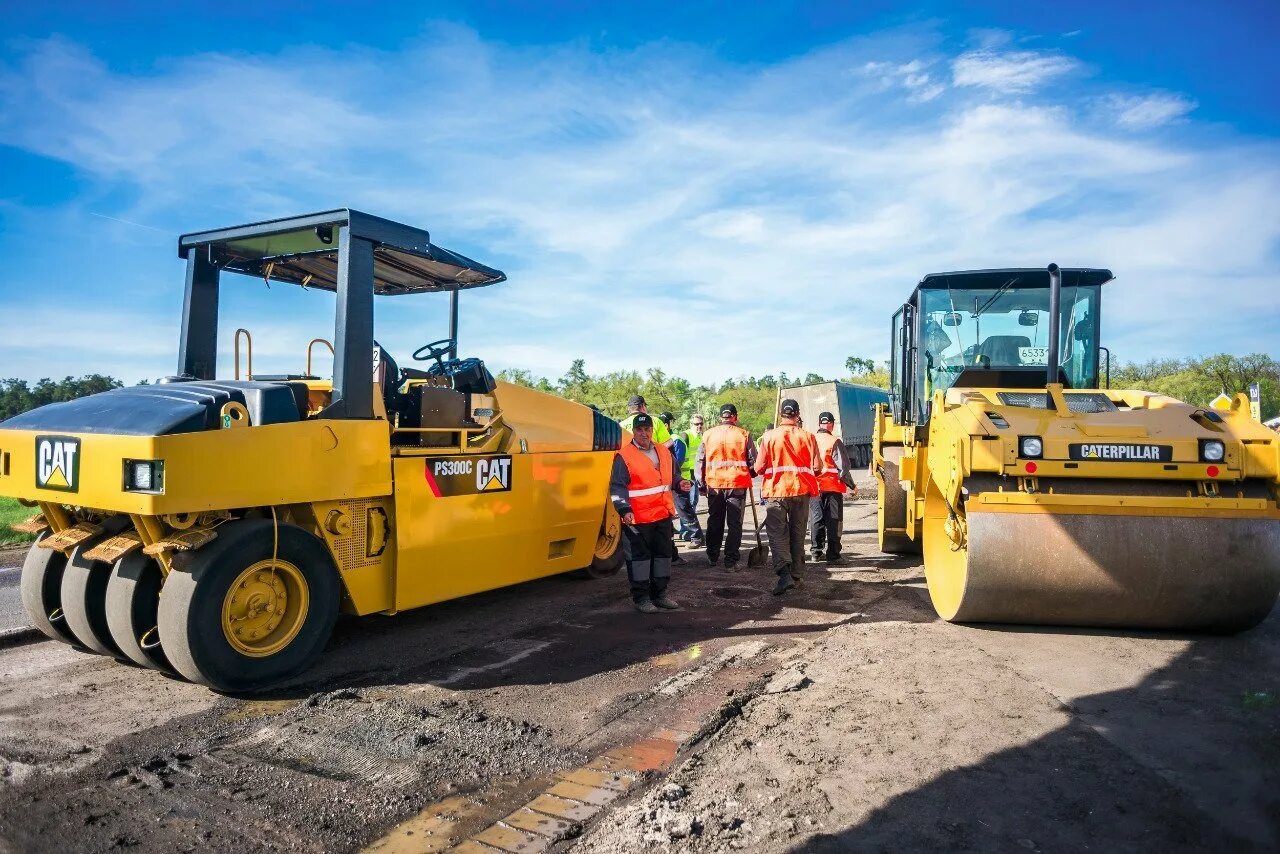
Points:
[760,553]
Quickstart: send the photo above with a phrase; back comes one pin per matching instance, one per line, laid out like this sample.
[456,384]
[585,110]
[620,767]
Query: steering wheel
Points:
[435,350]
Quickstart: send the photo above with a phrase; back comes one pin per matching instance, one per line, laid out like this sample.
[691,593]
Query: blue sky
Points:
[716,189]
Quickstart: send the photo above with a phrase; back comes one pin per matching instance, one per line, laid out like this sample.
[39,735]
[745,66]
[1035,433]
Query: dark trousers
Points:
[725,505]
[784,521]
[647,549]
[688,515]
[826,523]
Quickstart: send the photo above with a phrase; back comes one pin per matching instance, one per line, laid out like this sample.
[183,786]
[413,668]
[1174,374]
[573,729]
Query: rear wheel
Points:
[249,610]
[133,604]
[608,557]
[41,590]
[84,601]
[891,506]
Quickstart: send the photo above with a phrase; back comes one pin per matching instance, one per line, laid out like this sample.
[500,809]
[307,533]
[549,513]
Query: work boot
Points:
[784,584]
[698,542]
[644,606]
[676,560]
[713,559]
[796,580]
[666,603]
[832,560]
[730,566]
[815,556]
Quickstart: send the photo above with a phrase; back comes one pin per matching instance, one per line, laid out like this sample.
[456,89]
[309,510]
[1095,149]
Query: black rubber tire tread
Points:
[607,567]
[894,501]
[84,601]
[41,590]
[133,604]
[190,614]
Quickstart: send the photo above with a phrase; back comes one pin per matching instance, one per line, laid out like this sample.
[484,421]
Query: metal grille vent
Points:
[1091,402]
[353,549]
[606,433]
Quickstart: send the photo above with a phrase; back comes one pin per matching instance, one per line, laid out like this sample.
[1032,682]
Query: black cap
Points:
[666,418]
[790,408]
[644,419]
[636,400]
[826,418]
[728,409]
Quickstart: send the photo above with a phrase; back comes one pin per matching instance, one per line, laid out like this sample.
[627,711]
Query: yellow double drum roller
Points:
[1039,495]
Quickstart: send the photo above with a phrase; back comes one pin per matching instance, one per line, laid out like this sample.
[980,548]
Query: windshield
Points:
[1005,327]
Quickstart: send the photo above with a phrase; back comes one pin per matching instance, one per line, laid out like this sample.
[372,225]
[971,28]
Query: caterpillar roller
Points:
[1039,495]
[217,527]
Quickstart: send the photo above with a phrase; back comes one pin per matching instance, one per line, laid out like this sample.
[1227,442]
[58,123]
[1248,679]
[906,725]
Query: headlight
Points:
[144,476]
[1211,450]
[1031,447]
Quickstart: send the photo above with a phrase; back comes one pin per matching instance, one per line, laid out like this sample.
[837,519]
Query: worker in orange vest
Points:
[788,462]
[826,512]
[724,473]
[641,487]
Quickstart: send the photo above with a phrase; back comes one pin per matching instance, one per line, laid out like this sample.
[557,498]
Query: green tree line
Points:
[1195,380]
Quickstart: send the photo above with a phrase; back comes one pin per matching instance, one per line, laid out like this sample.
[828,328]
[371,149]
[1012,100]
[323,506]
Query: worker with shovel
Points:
[724,472]
[641,487]
[788,463]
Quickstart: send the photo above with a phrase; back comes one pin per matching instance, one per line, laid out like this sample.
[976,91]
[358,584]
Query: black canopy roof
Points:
[1026,277]
[303,250]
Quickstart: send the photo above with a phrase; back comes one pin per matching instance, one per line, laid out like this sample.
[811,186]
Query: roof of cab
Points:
[1027,277]
[303,250]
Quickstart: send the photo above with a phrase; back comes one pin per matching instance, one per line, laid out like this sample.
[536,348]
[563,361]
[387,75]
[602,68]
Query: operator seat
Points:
[386,374]
[1003,349]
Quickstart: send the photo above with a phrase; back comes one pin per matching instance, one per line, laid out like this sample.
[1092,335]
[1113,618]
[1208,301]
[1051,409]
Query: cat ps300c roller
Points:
[216,527]
[1038,495]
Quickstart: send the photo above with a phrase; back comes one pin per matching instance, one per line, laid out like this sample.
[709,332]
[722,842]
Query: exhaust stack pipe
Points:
[1052,373]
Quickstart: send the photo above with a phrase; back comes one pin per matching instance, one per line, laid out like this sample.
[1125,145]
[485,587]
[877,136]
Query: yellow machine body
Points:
[1121,518]
[397,543]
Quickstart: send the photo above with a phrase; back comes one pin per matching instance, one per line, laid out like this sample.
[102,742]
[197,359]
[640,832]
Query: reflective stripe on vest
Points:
[829,477]
[653,490]
[649,489]
[792,455]
[725,451]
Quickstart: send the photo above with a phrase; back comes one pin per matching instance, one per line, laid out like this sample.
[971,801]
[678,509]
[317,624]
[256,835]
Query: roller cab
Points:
[216,526]
[1037,495]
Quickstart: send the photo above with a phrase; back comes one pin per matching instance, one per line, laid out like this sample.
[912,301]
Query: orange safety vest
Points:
[789,455]
[829,477]
[726,457]
[649,491]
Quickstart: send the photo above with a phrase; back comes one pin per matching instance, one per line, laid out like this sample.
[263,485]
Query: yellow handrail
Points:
[311,344]
[248,340]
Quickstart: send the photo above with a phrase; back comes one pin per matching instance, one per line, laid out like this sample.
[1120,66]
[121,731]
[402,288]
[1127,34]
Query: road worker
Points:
[689,527]
[641,487]
[635,406]
[724,472]
[835,480]
[692,440]
[788,463]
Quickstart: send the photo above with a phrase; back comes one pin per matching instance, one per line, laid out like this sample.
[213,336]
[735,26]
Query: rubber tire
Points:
[133,606]
[41,590]
[190,614]
[892,506]
[84,601]
[607,567]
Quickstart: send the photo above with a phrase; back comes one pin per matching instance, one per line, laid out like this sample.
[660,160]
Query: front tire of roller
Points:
[133,605]
[84,601]
[41,589]
[238,621]
[608,557]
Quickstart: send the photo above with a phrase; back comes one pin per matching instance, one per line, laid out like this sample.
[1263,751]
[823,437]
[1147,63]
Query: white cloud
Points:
[1020,71]
[1143,112]
[651,207]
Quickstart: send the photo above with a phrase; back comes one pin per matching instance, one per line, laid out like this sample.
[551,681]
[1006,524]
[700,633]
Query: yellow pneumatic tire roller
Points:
[1090,569]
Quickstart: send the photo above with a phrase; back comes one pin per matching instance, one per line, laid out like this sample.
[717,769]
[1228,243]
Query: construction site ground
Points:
[551,716]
